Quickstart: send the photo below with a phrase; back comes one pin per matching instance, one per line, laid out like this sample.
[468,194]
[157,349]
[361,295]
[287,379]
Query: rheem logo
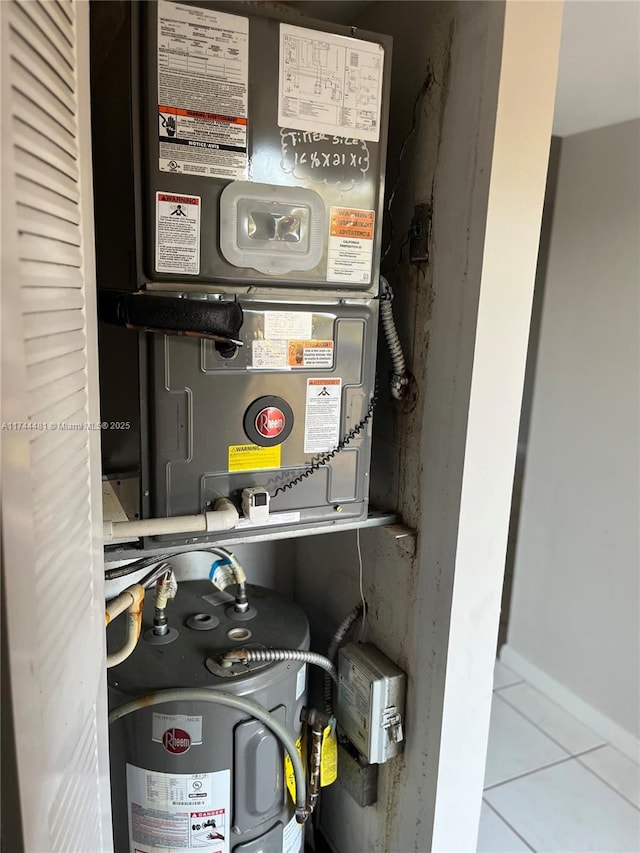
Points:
[270,422]
[176,741]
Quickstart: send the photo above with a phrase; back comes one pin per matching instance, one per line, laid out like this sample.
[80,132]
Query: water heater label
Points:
[329,83]
[178,233]
[203,68]
[301,681]
[322,415]
[163,723]
[350,253]
[292,836]
[178,810]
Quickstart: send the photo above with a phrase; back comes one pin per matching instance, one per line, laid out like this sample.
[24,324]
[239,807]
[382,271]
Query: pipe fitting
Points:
[224,516]
[131,600]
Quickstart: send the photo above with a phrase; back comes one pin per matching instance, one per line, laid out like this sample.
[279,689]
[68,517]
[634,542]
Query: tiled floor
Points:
[551,784]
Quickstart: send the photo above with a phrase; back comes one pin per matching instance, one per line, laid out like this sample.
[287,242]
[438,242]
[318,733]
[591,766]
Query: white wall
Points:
[575,606]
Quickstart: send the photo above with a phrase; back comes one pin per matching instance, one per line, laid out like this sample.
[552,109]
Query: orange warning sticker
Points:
[204,116]
[310,353]
[350,222]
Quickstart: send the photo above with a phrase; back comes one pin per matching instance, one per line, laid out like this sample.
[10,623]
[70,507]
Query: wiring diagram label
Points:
[322,415]
[350,253]
[329,83]
[178,233]
[203,70]
[178,810]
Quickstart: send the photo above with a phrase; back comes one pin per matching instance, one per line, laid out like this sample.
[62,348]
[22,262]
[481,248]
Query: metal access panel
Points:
[312,362]
[271,137]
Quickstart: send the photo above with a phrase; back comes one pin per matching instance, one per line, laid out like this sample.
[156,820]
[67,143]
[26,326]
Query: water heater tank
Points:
[195,775]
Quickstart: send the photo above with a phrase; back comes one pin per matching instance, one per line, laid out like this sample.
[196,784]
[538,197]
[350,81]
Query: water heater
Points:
[242,167]
[190,774]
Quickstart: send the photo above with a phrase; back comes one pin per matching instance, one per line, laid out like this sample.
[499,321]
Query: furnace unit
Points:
[239,189]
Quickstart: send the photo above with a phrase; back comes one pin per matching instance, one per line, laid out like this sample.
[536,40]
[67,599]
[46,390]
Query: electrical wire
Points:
[320,461]
[137,565]
[360,577]
[426,85]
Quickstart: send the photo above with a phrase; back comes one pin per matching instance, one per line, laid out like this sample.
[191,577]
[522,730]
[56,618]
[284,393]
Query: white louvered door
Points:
[51,496]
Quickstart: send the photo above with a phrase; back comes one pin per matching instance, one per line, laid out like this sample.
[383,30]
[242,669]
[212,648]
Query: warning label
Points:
[203,66]
[178,233]
[350,245]
[285,355]
[310,353]
[251,457]
[322,415]
[178,810]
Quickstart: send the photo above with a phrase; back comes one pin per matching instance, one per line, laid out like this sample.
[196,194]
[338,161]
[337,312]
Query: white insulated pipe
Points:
[130,600]
[224,516]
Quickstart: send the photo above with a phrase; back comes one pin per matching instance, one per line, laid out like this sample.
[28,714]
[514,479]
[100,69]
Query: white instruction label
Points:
[329,83]
[274,518]
[301,681]
[292,837]
[283,325]
[267,355]
[178,810]
[178,233]
[163,724]
[203,69]
[322,415]
[350,245]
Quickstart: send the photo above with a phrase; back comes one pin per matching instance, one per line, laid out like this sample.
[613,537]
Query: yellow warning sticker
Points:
[250,457]
[289,775]
[329,757]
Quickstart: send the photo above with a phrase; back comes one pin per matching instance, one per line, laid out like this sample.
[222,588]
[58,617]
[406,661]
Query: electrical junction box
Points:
[256,146]
[371,700]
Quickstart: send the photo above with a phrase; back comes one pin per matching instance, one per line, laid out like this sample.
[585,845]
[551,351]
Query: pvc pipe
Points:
[134,595]
[223,517]
[118,605]
[239,703]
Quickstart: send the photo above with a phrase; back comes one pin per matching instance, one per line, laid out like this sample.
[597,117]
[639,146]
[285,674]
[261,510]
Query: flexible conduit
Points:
[336,641]
[399,378]
[269,655]
[238,703]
